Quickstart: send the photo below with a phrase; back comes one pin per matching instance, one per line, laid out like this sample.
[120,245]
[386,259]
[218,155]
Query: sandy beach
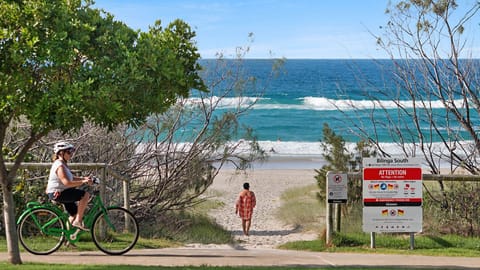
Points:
[268,184]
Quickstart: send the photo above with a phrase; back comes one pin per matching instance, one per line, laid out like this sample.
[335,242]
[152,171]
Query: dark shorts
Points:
[69,197]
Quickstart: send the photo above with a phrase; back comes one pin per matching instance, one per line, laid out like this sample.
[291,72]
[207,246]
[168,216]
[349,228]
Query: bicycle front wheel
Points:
[41,232]
[115,232]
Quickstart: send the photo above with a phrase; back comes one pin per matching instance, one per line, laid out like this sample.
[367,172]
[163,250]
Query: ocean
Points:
[288,118]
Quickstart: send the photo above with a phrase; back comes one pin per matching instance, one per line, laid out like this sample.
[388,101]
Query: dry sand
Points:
[266,230]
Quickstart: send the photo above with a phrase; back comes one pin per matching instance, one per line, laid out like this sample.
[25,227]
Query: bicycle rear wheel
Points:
[41,232]
[116,232]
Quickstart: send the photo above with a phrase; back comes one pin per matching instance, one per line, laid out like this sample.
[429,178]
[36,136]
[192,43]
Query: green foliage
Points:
[352,223]
[64,62]
[300,208]
[457,212]
[185,227]
[334,150]
[26,191]
[203,230]
[336,156]
[351,240]
[340,159]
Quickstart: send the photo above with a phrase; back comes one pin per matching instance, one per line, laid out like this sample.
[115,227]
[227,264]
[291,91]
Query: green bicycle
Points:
[44,227]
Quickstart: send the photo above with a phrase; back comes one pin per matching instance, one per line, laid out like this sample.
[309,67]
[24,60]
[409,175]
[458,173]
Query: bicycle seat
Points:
[56,203]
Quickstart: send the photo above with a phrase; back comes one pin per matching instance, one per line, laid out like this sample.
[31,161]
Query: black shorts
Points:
[69,197]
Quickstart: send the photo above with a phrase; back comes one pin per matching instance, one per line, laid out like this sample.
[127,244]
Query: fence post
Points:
[125,186]
[126,194]
[103,184]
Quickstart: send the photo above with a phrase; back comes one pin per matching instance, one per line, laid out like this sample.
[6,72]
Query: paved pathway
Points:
[226,256]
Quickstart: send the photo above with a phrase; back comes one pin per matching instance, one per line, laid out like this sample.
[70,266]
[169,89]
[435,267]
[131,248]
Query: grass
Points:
[201,229]
[86,244]
[429,245]
[301,209]
[446,245]
[37,266]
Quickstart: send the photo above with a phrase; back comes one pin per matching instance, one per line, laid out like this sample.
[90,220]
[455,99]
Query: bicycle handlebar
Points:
[96,180]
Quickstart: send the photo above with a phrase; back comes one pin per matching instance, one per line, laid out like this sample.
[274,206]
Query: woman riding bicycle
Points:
[62,185]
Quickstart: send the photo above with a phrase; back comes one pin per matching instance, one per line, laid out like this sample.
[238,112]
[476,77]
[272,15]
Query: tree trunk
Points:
[10,226]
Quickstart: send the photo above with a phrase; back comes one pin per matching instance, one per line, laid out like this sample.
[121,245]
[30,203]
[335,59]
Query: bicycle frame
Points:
[44,227]
[71,233]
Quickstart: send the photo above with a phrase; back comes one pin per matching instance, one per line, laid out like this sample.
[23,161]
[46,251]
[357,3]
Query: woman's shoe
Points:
[80,226]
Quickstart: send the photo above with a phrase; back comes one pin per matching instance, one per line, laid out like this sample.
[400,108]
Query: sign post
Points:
[337,192]
[392,195]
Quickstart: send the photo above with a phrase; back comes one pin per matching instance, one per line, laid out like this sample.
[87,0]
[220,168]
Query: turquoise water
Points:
[290,114]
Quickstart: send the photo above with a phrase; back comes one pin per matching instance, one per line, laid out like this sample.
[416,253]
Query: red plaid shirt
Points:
[245,203]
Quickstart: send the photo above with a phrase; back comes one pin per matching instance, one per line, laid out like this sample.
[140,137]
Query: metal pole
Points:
[372,240]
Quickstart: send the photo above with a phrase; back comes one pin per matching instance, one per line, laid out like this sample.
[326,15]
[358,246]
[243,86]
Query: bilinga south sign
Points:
[392,195]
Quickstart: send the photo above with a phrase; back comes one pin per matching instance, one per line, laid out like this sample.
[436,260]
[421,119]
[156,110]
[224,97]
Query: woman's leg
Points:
[244,226]
[71,219]
[82,205]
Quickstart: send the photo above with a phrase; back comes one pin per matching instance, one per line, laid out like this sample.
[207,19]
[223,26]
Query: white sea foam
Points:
[309,155]
[226,102]
[314,103]
[321,103]
[296,149]
[314,149]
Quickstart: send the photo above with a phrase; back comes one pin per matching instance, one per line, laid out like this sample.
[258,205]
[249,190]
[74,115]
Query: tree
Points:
[340,159]
[183,149]
[436,96]
[436,77]
[174,156]
[427,41]
[64,63]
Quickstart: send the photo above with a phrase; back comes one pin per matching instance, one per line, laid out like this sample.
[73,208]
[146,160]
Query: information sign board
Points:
[392,219]
[392,195]
[392,186]
[337,187]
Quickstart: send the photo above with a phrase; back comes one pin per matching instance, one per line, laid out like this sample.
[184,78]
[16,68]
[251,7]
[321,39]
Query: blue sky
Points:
[281,28]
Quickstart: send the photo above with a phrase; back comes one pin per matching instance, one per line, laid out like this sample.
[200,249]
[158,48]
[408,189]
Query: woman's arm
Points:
[76,181]
[237,205]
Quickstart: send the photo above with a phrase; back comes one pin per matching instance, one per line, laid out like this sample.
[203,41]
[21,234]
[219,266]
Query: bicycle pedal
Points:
[73,236]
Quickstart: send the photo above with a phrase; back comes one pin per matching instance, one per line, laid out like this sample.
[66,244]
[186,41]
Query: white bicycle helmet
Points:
[59,146]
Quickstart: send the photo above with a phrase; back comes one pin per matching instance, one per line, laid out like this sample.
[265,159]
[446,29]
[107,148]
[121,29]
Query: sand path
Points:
[266,230]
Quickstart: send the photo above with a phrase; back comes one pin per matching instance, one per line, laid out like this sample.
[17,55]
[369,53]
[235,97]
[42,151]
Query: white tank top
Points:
[54,183]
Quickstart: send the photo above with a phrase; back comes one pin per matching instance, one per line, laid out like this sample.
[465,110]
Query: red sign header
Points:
[392,174]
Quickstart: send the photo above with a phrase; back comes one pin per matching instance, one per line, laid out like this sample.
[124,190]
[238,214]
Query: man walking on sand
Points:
[244,207]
